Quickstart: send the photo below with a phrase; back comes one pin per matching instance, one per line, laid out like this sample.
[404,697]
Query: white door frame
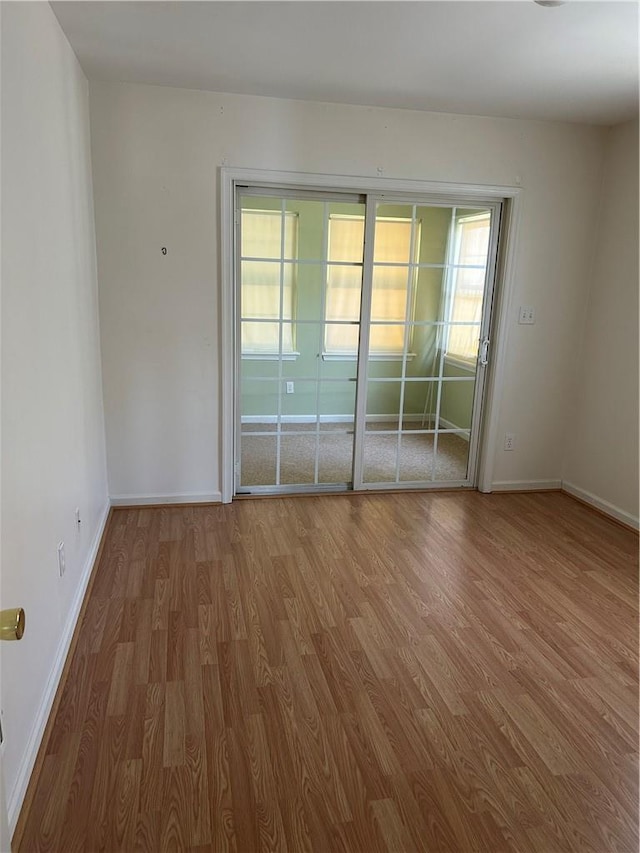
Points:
[512,196]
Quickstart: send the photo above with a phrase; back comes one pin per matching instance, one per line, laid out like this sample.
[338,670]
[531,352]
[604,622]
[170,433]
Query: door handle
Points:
[484,352]
[12,624]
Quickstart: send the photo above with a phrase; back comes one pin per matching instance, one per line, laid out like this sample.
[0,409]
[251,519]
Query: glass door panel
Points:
[416,457]
[428,281]
[418,405]
[260,402]
[300,282]
[258,461]
[380,464]
[451,456]
[383,405]
[297,454]
[335,457]
[337,402]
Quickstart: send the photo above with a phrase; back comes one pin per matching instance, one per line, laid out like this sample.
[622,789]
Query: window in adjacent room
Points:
[471,249]
[394,275]
[268,251]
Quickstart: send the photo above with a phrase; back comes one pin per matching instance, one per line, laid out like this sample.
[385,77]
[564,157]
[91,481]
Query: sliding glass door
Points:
[299,321]
[360,368]
[427,320]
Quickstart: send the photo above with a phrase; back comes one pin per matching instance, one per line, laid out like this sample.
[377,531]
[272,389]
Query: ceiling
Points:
[576,62]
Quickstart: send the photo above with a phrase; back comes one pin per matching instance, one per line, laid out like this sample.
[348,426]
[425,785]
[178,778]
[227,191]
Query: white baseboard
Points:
[602,505]
[181,498]
[526,485]
[344,419]
[297,419]
[16,796]
[466,434]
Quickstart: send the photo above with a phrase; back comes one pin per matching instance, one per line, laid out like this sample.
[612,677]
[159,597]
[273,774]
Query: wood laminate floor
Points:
[450,672]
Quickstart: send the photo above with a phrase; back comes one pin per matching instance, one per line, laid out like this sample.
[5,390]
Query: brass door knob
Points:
[12,624]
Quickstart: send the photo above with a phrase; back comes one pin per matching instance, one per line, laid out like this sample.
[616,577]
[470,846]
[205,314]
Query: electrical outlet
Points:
[527,315]
[289,387]
[509,441]
[61,558]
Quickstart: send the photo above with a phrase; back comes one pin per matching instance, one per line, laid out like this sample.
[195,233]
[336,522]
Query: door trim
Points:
[231,178]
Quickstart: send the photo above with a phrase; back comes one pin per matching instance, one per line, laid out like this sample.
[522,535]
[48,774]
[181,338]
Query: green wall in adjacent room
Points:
[456,404]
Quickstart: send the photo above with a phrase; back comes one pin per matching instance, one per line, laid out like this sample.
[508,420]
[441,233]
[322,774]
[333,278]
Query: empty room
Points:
[319,428]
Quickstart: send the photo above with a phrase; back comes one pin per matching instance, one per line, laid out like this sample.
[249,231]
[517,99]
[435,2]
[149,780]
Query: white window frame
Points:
[455,359]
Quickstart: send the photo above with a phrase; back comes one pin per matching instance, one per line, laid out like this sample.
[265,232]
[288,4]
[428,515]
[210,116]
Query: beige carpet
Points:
[297,456]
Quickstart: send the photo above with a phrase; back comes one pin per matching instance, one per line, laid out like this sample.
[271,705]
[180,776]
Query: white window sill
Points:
[373,356]
[461,363]
[270,356]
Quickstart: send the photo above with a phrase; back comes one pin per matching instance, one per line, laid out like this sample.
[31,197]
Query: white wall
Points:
[53,452]
[156,152]
[602,437]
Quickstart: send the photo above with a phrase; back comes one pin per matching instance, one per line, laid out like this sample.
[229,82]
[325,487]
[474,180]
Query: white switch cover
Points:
[527,316]
[61,559]
[289,387]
